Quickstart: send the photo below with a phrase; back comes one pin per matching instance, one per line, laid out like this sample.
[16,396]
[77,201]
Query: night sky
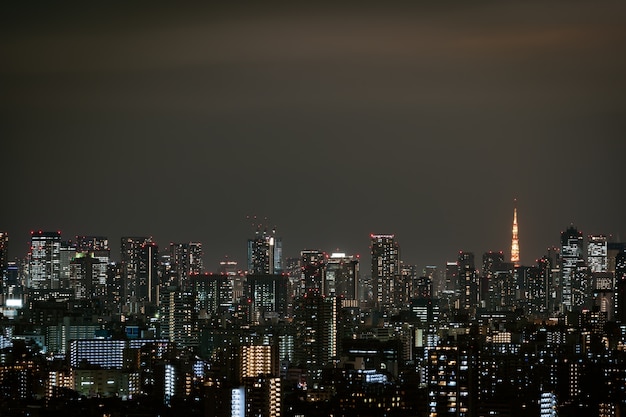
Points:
[333,121]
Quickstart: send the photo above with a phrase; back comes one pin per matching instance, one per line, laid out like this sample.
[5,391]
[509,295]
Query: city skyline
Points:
[334,121]
[293,253]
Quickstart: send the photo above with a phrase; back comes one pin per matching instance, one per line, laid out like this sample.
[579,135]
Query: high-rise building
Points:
[148,273]
[196,264]
[341,276]
[265,253]
[432,272]
[311,270]
[491,264]
[449,377]
[603,288]
[315,319]
[140,260]
[259,396]
[468,282]
[267,296]
[96,247]
[405,286]
[597,253]
[45,260]
[213,293]
[515,259]
[129,254]
[4,251]
[178,317]
[185,260]
[4,248]
[67,253]
[385,269]
[258,360]
[538,286]
[620,286]
[573,275]
[548,405]
[84,276]
[178,264]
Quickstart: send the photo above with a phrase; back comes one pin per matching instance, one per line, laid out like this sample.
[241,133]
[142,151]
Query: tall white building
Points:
[573,284]
[45,260]
[597,253]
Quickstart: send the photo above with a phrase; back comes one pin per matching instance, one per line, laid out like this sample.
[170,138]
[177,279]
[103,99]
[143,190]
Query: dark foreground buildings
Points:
[157,335]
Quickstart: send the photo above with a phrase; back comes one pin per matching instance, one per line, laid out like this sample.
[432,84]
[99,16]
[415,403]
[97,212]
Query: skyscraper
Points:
[620,286]
[491,264]
[178,317]
[268,296]
[468,282]
[597,253]
[96,247]
[573,282]
[4,248]
[385,269]
[185,260]
[148,273]
[315,318]
[265,253]
[341,276]
[139,271]
[45,260]
[515,260]
[311,270]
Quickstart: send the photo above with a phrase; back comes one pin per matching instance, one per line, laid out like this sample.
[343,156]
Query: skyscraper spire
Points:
[515,241]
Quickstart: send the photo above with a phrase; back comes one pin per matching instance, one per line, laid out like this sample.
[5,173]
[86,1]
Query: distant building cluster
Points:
[315,335]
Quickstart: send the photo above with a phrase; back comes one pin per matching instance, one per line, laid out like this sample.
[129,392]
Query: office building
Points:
[265,253]
[468,282]
[213,293]
[574,288]
[178,317]
[185,259]
[311,270]
[140,273]
[597,253]
[315,320]
[130,252]
[267,296]
[4,251]
[385,269]
[341,276]
[45,260]
[96,247]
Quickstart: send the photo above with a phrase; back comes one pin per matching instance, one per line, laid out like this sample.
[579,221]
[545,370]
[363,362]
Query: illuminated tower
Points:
[515,240]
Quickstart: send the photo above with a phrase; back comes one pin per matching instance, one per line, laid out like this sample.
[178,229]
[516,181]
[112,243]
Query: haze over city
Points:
[334,121]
